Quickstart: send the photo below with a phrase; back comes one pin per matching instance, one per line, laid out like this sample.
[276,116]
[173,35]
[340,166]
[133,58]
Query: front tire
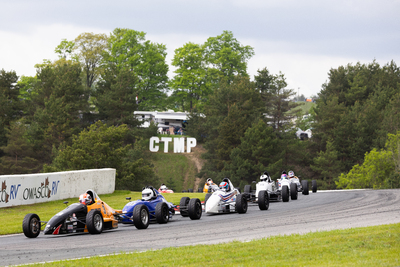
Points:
[314,186]
[304,183]
[94,222]
[31,225]
[241,203]
[141,216]
[162,213]
[195,209]
[285,193]
[184,203]
[263,200]
[293,191]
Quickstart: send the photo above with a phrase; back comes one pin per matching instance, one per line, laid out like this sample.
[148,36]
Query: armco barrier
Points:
[42,187]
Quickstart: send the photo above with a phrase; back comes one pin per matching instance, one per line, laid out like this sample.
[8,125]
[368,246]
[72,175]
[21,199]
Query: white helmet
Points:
[263,177]
[147,194]
[209,181]
[163,187]
[291,174]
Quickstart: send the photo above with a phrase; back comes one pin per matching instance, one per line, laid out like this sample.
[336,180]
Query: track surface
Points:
[316,212]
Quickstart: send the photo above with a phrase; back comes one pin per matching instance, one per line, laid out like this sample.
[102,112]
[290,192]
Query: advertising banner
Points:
[42,187]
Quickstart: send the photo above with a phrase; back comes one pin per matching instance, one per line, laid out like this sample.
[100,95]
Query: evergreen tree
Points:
[61,101]
[19,153]
[231,110]
[10,106]
[116,97]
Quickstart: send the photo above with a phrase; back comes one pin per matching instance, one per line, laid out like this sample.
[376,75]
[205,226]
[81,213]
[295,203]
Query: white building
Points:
[163,119]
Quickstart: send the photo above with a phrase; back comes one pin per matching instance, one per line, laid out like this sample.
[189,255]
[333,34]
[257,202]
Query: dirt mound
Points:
[195,157]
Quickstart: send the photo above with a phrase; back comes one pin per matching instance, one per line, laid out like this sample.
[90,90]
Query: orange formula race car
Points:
[91,215]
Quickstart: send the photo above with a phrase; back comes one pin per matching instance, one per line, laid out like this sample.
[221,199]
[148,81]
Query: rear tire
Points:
[285,193]
[247,189]
[31,225]
[304,183]
[94,222]
[314,186]
[195,209]
[241,203]
[184,203]
[263,200]
[162,212]
[293,191]
[141,216]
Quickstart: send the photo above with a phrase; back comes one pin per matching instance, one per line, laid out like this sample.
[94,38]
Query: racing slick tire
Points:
[195,210]
[208,195]
[140,216]
[314,186]
[304,183]
[285,193]
[31,225]
[94,222]
[162,212]
[241,203]
[184,203]
[293,191]
[247,191]
[263,200]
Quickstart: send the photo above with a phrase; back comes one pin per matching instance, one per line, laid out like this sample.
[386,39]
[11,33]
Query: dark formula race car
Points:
[90,215]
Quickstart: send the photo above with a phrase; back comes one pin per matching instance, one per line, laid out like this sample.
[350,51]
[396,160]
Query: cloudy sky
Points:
[302,39]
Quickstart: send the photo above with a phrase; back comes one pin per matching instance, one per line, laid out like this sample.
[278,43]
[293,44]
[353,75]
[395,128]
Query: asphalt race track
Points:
[316,212]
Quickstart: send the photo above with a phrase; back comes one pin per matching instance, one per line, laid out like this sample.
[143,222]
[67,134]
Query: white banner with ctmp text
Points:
[179,144]
[43,187]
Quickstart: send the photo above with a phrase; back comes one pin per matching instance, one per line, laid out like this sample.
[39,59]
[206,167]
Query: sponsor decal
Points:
[19,192]
[43,191]
[4,196]
[57,231]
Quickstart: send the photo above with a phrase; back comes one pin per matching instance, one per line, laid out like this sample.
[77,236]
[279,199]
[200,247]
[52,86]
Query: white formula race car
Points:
[303,186]
[287,188]
[265,191]
[225,199]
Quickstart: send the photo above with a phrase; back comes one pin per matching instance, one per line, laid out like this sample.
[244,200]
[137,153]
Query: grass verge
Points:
[11,218]
[367,246]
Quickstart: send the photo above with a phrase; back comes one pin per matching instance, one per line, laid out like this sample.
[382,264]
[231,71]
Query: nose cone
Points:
[48,230]
[212,204]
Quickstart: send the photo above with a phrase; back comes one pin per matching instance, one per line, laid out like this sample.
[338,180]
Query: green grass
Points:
[11,217]
[368,246]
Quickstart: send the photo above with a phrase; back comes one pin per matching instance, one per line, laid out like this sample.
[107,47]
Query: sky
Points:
[303,39]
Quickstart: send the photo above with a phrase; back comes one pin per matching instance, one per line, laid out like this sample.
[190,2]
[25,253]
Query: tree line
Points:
[77,113]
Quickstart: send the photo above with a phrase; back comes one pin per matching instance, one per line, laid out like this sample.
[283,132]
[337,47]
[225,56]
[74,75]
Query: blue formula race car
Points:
[158,208]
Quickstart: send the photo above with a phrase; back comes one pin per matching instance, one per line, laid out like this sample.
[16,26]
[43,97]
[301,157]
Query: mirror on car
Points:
[128,198]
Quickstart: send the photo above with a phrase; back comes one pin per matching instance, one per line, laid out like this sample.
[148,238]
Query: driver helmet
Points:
[291,174]
[224,186]
[163,187]
[209,181]
[263,178]
[85,199]
[284,176]
[147,194]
